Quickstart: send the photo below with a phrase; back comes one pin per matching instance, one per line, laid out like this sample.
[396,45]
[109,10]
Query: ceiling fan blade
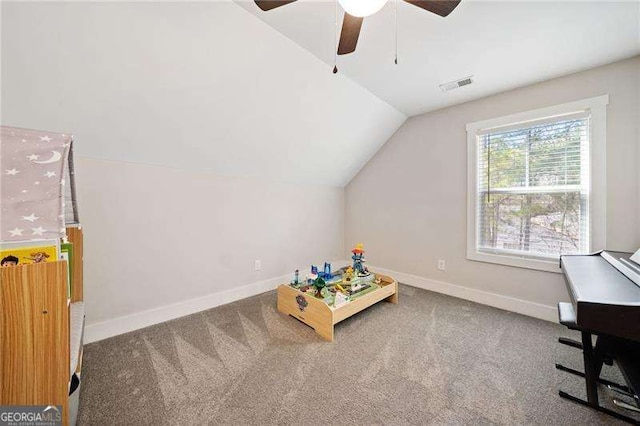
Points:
[272,4]
[439,7]
[349,35]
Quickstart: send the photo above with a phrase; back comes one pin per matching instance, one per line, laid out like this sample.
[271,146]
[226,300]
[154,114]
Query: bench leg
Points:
[570,342]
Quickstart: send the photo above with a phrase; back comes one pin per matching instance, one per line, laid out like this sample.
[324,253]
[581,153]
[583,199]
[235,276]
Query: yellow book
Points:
[27,255]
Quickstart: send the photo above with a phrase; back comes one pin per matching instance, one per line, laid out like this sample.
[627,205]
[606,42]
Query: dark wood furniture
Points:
[605,303]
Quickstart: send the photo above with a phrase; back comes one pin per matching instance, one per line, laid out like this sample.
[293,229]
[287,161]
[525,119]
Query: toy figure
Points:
[296,280]
[313,275]
[358,260]
[327,270]
[348,274]
[319,284]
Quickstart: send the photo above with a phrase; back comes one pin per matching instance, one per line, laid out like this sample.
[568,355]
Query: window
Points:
[536,185]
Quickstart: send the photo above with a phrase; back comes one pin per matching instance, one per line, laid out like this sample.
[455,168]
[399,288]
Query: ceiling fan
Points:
[357,10]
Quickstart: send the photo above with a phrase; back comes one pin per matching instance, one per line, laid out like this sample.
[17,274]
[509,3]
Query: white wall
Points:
[155,236]
[246,137]
[408,204]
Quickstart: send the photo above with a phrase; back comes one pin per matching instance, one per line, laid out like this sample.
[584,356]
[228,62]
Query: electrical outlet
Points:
[441,265]
[257,264]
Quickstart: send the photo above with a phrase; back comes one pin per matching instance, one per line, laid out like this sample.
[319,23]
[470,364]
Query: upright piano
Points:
[605,302]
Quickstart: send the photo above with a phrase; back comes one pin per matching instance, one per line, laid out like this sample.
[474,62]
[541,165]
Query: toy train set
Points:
[324,298]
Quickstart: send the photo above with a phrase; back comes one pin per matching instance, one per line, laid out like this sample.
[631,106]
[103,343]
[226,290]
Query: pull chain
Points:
[395,21]
[335,38]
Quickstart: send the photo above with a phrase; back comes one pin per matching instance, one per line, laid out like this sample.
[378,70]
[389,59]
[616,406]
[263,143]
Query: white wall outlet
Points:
[257,264]
[441,265]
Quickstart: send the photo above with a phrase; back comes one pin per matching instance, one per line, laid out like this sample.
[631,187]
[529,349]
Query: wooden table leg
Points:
[325,331]
[394,297]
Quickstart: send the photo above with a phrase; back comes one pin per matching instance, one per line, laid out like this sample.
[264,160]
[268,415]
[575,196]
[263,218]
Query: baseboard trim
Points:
[124,324]
[524,307]
[127,323]
[105,329]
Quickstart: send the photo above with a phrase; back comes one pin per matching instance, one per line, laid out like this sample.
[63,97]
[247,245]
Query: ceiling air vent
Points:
[447,87]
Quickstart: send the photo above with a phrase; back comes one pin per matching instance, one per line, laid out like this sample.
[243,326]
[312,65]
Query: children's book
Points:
[66,253]
[12,254]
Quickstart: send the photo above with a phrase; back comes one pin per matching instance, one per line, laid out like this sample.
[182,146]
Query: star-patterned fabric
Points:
[32,170]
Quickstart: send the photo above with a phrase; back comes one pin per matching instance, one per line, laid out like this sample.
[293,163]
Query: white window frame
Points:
[597,107]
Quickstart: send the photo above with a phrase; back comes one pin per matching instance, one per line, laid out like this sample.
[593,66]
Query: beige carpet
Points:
[431,359]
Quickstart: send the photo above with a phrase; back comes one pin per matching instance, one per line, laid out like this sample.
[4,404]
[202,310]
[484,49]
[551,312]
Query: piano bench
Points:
[567,315]
[570,342]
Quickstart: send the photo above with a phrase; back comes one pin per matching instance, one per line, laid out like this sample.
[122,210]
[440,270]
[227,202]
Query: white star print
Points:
[31,218]
[12,172]
[33,157]
[61,181]
[24,191]
[15,232]
[45,138]
[50,174]
[38,231]
[66,144]
[36,183]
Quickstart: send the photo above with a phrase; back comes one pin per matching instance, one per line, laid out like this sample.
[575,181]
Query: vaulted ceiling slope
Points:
[198,86]
[504,44]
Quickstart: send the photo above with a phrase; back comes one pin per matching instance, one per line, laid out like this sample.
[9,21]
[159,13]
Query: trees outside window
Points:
[531,190]
[537,185]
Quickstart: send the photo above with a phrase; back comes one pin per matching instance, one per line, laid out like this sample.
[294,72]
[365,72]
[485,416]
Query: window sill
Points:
[518,262]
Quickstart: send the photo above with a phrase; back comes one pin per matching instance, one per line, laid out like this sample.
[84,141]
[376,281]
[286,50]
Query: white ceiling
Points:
[503,44]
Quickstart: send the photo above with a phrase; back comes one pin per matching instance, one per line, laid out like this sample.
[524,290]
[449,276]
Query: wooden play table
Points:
[317,314]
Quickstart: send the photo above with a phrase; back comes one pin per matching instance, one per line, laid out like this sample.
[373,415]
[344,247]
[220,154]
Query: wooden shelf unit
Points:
[35,337]
[321,317]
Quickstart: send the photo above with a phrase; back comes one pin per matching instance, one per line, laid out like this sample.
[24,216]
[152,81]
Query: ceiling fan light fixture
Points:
[362,8]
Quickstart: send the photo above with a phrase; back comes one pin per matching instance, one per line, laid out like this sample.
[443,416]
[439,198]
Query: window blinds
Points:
[533,188]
